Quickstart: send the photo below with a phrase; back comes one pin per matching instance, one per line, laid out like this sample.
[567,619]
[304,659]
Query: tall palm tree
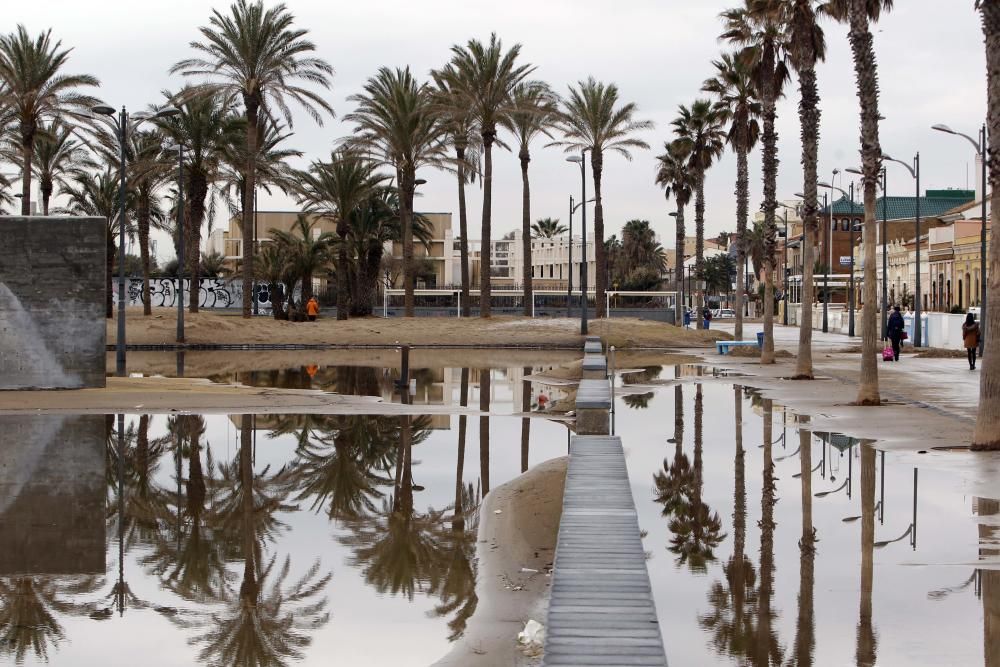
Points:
[536,109]
[673,175]
[57,154]
[459,126]
[96,194]
[256,55]
[858,14]
[700,134]
[758,29]
[206,126]
[807,46]
[547,228]
[5,197]
[593,120]
[272,168]
[484,78]
[734,87]
[987,433]
[398,124]
[334,189]
[34,87]
[306,251]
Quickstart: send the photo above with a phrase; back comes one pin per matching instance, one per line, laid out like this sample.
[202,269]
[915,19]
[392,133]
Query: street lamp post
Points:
[121,129]
[180,235]
[980,146]
[569,282]
[784,280]
[580,159]
[915,173]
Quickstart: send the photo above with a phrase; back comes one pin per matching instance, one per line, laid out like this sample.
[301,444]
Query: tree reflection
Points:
[867,642]
[765,649]
[731,617]
[264,622]
[697,530]
[30,608]
[805,627]
[673,482]
[990,582]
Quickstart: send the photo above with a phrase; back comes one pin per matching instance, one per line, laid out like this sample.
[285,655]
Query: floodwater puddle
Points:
[770,543]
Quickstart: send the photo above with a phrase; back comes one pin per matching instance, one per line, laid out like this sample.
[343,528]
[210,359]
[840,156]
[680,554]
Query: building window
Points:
[845,225]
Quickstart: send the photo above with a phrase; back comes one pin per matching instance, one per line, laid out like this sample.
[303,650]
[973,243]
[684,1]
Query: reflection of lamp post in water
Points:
[911,530]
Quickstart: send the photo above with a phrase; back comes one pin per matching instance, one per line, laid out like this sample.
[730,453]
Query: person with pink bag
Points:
[895,329]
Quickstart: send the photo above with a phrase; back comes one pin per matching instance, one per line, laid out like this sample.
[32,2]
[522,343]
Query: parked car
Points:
[724,314]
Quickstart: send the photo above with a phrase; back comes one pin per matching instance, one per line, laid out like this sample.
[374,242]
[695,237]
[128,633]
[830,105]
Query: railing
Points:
[544,302]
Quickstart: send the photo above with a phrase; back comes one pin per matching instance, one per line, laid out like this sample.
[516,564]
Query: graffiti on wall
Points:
[212,293]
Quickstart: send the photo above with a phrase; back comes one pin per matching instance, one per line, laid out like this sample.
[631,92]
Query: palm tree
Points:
[807,46]
[758,28]
[33,87]
[987,433]
[593,120]
[398,124]
[273,268]
[536,109]
[700,134]
[734,87]
[459,126]
[858,14]
[308,253]
[206,126]
[334,190]
[256,55]
[547,228]
[484,77]
[5,197]
[57,154]
[673,175]
[96,194]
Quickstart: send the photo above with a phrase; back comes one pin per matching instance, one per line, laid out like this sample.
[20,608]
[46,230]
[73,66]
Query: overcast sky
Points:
[930,56]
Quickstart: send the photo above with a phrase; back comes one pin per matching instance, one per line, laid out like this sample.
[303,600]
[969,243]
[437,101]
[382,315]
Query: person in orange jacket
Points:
[312,309]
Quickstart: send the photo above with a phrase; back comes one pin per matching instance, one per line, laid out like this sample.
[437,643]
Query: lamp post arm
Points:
[913,172]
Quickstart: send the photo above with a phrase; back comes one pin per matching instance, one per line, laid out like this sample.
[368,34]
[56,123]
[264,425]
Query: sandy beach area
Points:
[208,328]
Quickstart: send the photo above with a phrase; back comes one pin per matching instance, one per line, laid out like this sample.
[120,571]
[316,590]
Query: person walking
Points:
[312,309]
[706,316]
[895,328]
[970,338]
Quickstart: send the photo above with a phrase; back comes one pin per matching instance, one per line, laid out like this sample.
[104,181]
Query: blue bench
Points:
[725,346]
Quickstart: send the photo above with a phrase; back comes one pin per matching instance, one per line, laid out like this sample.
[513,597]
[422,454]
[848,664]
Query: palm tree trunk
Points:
[484,430]
[699,243]
[463,231]
[485,279]
[764,639]
[197,193]
[45,186]
[27,156]
[526,231]
[739,568]
[343,279]
[809,116]
[742,213]
[679,268]
[987,433]
[407,182]
[307,292]
[770,169]
[866,72]
[277,295]
[600,252]
[866,644]
[143,221]
[364,304]
[250,177]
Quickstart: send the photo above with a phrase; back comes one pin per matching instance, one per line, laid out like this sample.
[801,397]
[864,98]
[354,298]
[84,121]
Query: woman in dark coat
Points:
[895,327]
[970,338]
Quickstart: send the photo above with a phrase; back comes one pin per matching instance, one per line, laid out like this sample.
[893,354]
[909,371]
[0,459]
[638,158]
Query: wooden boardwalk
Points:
[601,609]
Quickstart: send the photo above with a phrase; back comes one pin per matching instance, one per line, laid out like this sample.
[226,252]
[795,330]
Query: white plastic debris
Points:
[498,511]
[532,635]
[529,570]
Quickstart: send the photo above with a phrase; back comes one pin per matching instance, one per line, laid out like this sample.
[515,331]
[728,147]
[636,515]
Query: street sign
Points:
[845,260]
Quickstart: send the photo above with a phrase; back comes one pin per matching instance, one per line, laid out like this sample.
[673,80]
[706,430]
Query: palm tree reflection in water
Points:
[867,642]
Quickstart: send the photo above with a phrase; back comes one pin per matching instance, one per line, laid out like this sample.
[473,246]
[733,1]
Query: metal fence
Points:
[545,303]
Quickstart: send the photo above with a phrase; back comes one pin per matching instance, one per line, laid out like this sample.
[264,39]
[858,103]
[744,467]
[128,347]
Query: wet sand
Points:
[522,535]
[206,328]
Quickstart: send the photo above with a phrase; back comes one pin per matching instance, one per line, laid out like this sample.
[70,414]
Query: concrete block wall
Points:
[52,296]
